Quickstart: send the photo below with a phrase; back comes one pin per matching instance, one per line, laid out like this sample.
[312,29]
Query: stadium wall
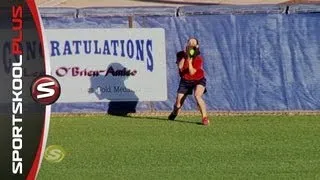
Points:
[257,58]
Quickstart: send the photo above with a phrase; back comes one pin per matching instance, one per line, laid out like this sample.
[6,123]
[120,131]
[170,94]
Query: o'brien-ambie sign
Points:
[94,65]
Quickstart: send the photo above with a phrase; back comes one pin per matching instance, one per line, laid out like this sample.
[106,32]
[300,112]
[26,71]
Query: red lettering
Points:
[17,27]
[17,12]
[75,71]
[96,73]
[62,71]
[93,73]
[84,72]
[17,24]
[16,49]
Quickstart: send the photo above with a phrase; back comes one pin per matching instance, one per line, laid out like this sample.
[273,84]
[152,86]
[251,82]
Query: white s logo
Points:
[47,92]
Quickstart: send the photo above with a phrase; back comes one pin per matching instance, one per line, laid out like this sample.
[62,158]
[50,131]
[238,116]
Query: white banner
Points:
[94,65]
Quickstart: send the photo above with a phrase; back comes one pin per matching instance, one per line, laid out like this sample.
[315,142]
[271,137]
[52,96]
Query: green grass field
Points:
[238,147]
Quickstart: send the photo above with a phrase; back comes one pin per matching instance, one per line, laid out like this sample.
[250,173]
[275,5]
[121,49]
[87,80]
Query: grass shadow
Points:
[159,118]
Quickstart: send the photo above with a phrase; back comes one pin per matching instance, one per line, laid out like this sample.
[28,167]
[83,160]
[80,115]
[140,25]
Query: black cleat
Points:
[174,113]
[172,116]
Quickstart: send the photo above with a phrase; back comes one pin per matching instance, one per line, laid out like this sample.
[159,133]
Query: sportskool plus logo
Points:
[17,90]
[54,154]
[45,90]
[77,71]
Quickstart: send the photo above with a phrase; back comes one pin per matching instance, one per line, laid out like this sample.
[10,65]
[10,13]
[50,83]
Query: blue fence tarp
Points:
[253,62]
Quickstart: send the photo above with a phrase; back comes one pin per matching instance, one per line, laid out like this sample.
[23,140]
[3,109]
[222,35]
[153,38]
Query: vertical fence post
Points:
[130,20]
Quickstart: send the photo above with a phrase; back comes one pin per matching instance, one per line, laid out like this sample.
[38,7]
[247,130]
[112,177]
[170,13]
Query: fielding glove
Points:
[191,52]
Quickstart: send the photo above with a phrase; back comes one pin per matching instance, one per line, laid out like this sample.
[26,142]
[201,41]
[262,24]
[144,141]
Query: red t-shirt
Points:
[197,64]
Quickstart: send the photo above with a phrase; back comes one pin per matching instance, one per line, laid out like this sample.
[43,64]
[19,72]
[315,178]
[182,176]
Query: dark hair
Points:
[197,49]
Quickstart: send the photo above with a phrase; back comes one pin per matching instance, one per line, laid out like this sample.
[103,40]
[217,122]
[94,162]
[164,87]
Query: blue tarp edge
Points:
[231,9]
[127,11]
[304,8]
[58,12]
